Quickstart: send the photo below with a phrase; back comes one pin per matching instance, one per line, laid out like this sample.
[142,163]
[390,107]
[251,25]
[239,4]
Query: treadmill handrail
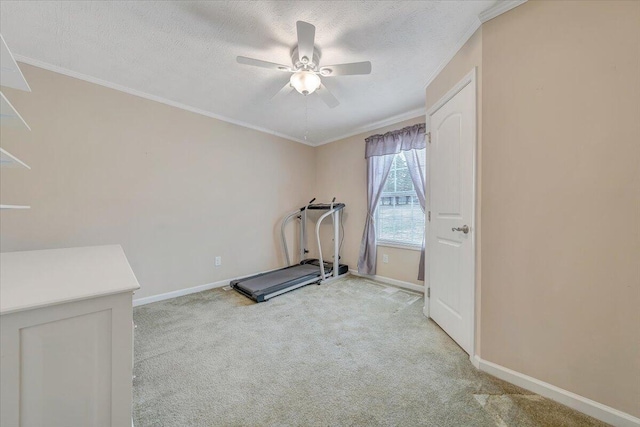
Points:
[335,262]
[284,238]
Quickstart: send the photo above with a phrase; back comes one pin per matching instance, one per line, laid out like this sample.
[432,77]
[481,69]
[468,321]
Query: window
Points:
[399,217]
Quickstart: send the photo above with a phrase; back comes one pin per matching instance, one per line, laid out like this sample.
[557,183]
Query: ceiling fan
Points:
[306,69]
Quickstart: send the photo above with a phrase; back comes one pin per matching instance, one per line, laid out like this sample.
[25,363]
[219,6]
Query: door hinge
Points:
[429,137]
[428,292]
[429,215]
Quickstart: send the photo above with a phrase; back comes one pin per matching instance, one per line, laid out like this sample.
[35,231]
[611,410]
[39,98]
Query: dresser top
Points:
[33,279]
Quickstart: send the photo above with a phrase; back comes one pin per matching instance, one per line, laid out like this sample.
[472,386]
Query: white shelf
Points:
[9,116]
[10,74]
[14,207]
[8,160]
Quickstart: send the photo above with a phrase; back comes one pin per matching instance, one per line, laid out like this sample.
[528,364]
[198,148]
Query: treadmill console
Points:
[323,206]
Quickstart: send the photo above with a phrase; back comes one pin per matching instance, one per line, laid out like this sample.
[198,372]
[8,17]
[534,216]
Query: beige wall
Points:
[402,264]
[174,188]
[466,59]
[561,196]
[342,173]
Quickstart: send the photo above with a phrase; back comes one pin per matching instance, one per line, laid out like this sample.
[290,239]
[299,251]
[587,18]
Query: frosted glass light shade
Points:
[305,82]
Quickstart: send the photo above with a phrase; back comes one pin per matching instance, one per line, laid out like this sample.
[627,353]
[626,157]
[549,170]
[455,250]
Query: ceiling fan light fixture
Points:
[305,67]
[305,82]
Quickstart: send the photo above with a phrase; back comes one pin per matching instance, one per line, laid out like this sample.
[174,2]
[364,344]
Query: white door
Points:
[451,243]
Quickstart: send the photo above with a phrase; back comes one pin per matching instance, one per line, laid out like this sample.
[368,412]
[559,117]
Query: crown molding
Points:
[465,38]
[134,92]
[377,125]
[498,9]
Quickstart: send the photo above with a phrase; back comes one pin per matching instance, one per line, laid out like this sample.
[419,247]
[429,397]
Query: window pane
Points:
[401,223]
[399,216]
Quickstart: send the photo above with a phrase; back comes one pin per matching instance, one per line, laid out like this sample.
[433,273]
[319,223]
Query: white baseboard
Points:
[475,361]
[389,281]
[579,403]
[180,292]
[193,290]
[219,284]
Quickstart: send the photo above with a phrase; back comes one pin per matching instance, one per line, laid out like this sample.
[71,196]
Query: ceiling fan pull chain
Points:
[306,117]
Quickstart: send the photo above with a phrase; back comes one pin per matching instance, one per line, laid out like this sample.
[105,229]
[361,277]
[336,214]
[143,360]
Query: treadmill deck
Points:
[261,287]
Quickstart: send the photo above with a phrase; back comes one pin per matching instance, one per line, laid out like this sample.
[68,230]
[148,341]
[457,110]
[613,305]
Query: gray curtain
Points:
[378,168]
[405,139]
[417,177]
[379,151]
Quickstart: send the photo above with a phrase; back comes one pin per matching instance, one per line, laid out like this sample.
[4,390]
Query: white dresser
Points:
[66,337]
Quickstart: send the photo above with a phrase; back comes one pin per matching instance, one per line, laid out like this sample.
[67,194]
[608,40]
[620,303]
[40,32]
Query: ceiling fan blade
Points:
[327,96]
[286,89]
[306,36]
[264,64]
[346,69]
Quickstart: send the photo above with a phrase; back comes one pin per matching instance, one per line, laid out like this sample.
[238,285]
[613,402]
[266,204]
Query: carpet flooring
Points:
[350,353]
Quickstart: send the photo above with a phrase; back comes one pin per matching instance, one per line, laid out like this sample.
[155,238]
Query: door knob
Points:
[464,229]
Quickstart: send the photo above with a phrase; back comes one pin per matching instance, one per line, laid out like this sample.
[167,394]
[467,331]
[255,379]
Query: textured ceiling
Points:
[185,52]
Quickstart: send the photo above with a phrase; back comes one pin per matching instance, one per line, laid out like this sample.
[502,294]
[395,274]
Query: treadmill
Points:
[264,286]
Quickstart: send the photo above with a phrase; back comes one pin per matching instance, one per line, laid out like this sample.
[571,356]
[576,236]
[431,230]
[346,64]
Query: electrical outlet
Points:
[385,258]
[218,261]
